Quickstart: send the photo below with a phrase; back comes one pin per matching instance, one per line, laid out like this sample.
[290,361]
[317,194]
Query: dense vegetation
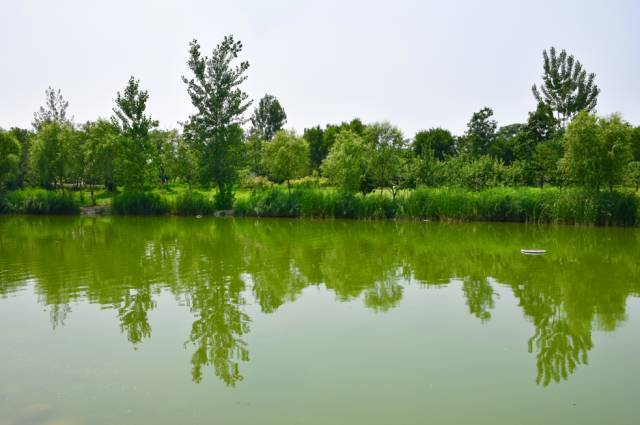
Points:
[563,164]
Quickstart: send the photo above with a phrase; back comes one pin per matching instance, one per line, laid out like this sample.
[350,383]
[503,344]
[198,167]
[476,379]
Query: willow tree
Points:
[566,87]
[214,129]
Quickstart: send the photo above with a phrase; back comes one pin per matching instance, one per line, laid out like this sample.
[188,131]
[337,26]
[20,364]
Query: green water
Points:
[240,321]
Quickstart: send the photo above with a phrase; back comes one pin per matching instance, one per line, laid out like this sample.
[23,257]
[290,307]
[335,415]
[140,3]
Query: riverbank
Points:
[523,205]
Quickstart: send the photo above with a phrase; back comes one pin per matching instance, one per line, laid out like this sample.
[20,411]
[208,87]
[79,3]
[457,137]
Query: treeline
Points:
[562,143]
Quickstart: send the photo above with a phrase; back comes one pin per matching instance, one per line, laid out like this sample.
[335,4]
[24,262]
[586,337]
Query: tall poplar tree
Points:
[214,129]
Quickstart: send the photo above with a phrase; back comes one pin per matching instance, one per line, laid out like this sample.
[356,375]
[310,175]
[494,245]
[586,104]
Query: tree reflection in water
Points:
[212,264]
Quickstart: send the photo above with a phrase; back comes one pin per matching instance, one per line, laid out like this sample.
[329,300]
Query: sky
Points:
[417,64]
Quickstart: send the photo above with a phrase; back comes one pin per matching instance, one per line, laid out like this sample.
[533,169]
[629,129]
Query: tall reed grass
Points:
[39,201]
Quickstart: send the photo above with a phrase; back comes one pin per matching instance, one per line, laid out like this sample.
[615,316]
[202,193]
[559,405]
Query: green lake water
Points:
[242,321]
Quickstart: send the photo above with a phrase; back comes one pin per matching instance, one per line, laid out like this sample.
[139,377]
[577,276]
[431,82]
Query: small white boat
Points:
[533,251]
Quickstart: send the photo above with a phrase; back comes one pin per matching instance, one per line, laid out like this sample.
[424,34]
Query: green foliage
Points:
[214,130]
[286,157]
[24,138]
[51,153]
[524,205]
[438,141]
[268,118]
[136,152]
[347,164]
[140,203]
[100,149]
[39,201]
[193,203]
[386,144]
[480,134]
[566,88]
[632,174]
[55,110]
[597,150]
[186,163]
[9,158]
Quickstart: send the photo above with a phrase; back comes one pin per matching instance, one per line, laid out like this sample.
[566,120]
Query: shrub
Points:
[193,203]
[140,203]
[39,201]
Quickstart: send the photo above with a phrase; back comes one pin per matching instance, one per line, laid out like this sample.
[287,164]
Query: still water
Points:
[242,321]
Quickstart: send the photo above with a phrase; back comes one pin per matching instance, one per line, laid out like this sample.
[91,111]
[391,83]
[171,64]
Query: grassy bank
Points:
[39,201]
[524,205]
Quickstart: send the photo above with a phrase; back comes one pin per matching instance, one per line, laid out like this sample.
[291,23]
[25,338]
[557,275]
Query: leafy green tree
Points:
[347,163]
[100,148]
[24,137]
[635,144]
[54,110]
[632,174]
[136,153]
[386,144]
[545,162]
[49,155]
[566,87]
[597,150]
[318,149]
[480,134]
[440,141]
[286,157]
[164,143]
[268,117]
[9,158]
[214,129]
[505,141]
[186,163]
[320,141]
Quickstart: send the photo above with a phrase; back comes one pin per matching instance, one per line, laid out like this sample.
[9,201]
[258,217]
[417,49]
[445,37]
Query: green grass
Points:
[39,201]
[522,205]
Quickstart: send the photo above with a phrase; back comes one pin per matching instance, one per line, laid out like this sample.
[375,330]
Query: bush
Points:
[309,182]
[140,203]
[193,203]
[39,201]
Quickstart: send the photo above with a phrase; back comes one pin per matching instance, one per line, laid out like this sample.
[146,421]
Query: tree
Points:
[635,144]
[505,141]
[347,163]
[286,157]
[480,134]
[545,161]
[214,129]
[186,165]
[24,138]
[268,118]
[318,149]
[597,150]
[135,163]
[54,110]
[49,155]
[386,144]
[164,144]
[632,174]
[566,87]
[9,158]
[101,138]
[440,141]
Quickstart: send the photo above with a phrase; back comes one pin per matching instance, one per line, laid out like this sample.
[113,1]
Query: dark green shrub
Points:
[40,201]
[193,203]
[140,203]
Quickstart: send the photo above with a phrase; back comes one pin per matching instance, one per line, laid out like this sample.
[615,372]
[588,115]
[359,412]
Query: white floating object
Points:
[533,251]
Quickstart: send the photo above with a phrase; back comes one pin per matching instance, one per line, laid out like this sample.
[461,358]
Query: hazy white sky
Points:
[417,64]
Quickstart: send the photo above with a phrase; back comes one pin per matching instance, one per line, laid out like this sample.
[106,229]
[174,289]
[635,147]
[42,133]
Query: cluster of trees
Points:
[562,142]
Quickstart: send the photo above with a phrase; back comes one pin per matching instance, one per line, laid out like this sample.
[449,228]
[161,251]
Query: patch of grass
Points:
[39,201]
[140,203]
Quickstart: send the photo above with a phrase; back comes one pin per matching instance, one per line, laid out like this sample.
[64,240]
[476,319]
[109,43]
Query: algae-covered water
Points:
[241,321]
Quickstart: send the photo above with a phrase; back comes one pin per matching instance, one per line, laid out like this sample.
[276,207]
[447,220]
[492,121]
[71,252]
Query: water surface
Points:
[239,321]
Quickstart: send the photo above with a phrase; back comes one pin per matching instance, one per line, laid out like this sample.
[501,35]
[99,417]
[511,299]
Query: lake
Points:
[239,321]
